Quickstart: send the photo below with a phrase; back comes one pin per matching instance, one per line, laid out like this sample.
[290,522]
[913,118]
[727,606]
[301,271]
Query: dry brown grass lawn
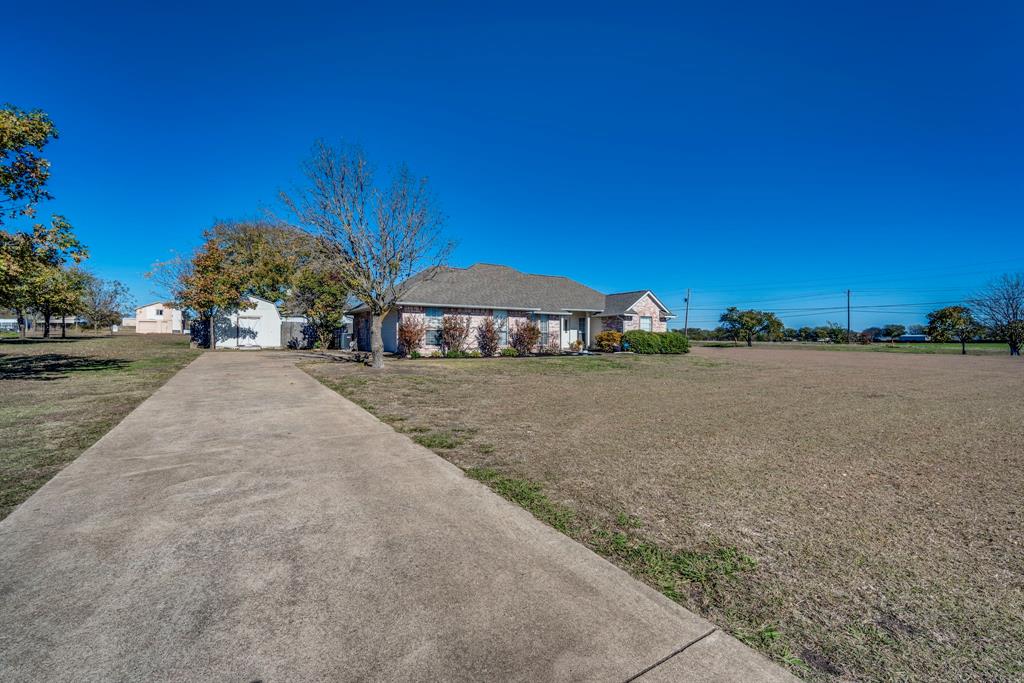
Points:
[879,494]
[58,396]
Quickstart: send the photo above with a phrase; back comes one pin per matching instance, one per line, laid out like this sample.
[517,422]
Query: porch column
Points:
[589,342]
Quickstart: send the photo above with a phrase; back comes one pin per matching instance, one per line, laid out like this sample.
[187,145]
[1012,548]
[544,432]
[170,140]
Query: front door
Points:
[582,327]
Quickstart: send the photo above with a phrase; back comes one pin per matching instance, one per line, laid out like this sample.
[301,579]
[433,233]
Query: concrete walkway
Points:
[246,523]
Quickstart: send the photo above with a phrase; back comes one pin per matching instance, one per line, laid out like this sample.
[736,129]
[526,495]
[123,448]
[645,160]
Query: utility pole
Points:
[686,316]
[847,316]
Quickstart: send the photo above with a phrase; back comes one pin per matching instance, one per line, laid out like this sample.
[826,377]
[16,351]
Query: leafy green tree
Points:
[23,170]
[56,291]
[835,333]
[953,323]
[104,301]
[750,323]
[212,286]
[269,254]
[26,256]
[893,331]
[320,294]
[807,334]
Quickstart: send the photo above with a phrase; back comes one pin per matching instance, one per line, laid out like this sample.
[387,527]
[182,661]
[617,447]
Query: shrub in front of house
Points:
[509,352]
[410,336]
[487,337]
[524,336]
[639,341]
[609,340]
[454,334]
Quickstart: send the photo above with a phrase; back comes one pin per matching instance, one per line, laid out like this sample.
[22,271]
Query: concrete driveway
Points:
[246,523]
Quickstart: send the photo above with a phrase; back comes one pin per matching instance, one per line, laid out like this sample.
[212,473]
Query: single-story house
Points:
[565,310]
[158,318]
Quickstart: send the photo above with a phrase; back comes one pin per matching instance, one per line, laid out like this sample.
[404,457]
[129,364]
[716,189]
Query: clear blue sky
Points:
[763,154]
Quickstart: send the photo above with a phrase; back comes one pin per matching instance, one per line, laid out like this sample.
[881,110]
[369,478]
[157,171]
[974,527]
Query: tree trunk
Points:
[22,325]
[63,327]
[750,340]
[963,346]
[376,341]
[209,331]
[46,324]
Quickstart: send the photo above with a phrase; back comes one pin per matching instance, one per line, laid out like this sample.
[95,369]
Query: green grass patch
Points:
[442,439]
[677,574]
[526,494]
[59,396]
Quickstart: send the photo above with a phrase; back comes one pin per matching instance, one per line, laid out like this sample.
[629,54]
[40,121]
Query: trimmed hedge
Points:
[639,341]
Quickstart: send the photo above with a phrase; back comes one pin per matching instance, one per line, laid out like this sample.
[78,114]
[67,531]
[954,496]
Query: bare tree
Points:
[1001,307]
[377,236]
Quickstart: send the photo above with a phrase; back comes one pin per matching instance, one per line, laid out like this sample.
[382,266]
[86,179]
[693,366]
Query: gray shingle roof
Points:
[486,285]
[620,303]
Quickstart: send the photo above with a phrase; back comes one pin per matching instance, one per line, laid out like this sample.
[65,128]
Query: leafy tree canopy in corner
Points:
[23,171]
[750,323]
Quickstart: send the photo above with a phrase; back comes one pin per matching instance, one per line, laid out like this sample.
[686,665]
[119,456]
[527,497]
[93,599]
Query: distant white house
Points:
[158,318]
[258,327]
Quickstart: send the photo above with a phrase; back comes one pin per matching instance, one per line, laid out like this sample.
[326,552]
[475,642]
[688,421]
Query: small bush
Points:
[454,333]
[639,341]
[475,354]
[509,352]
[410,335]
[487,337]
[524,336]
[455,353]
[415,354]
[609,340]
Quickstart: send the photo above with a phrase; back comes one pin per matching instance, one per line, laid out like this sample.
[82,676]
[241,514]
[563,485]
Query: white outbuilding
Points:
[258,327]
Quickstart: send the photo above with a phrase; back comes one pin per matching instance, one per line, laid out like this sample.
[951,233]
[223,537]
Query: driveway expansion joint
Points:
[669,656]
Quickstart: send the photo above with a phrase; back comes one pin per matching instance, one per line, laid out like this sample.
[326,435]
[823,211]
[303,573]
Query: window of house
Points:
[501,320]
[434,316]
[645,323]
[159,312]
[544,335]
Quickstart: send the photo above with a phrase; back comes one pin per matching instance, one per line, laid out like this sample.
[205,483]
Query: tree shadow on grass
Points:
[16,341]
[51,366]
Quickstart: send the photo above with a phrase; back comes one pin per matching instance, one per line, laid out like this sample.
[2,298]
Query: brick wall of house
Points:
[476,317]
[646,307]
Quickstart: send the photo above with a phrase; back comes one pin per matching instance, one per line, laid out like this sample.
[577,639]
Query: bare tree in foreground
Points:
[1001,307]
[377,236]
